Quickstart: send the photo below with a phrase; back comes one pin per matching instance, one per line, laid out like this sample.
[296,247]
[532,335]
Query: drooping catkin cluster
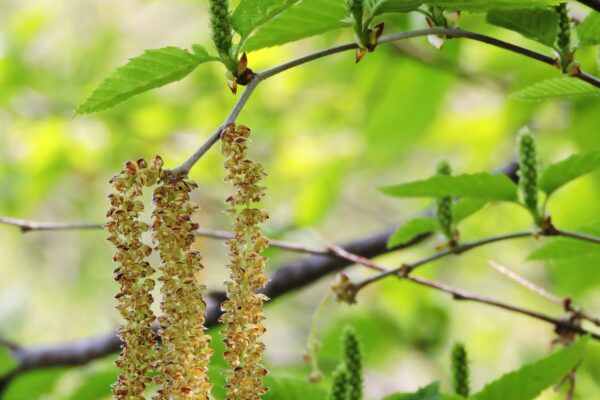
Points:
[528,172]
[220,26]
[444,204]
[459,365]
[184,352]
[133,273]
[242,312]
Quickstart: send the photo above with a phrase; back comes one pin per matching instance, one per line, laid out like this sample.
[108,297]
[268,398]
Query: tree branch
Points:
[185,167]
[593,4]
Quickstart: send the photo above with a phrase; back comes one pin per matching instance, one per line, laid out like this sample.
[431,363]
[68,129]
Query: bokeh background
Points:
[329,134]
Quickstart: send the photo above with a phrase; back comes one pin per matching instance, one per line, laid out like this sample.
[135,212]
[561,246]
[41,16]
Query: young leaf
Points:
[480,186]
[530,380]
[464,208]
[561,248]
[487,5]
[152,69]
[252,13]
[411,229]
[303,19]
[429,392]
[563,172]
[589,30]
[293,389]
[539,24]
[7,361]
[378,7]
[556,87]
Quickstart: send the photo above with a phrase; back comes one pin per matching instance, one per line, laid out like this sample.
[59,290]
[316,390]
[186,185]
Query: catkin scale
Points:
[242,311]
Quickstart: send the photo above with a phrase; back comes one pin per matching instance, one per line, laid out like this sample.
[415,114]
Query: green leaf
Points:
[252,13]
[464,208]
[530,380]
[95,385]
[303,19]
[429,392]
[293,389]
[480,186]
[378,7]
[539,24]
[589,30]
[36,384]
[7,362]
[154,68]
[556,87]
[563,172]
[562,248]
[487,5]
[411,229]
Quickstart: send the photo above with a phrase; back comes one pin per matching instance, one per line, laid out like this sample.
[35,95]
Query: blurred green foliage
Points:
[329,134]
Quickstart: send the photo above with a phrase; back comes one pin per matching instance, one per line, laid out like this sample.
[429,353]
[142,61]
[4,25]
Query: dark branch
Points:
[593,4]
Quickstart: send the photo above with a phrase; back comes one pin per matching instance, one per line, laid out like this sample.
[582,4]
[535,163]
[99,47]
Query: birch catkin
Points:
[242,312]
[133,274]
[184,353]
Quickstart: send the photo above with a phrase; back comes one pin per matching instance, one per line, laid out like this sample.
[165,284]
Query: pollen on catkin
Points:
[528,172]
[459,365]
[444,204]
[133,273]
[242,312]
[184,353]
[353,363]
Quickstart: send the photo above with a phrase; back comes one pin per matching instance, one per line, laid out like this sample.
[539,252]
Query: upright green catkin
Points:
[220,26]
[444,204]
[528,172]
[339,386]
[459,365]
[563,39]
[353,362]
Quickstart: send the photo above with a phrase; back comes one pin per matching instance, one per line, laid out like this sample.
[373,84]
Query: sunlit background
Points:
[329,134]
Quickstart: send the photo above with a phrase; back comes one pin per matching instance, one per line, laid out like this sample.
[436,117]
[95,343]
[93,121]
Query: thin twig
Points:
[459,294]
[566,303]
[577,235]
[525,283]
[185,167]
[407,268]
[28,226]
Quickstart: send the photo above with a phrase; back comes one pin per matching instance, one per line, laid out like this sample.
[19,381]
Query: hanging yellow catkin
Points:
[242,312]
[184,353]
[133,274]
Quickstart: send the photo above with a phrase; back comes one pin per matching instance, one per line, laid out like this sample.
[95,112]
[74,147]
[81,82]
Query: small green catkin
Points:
[563,39]
[459,365]
[220,26]
[444,204]
[353,362]
[339,386]
[528,172]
